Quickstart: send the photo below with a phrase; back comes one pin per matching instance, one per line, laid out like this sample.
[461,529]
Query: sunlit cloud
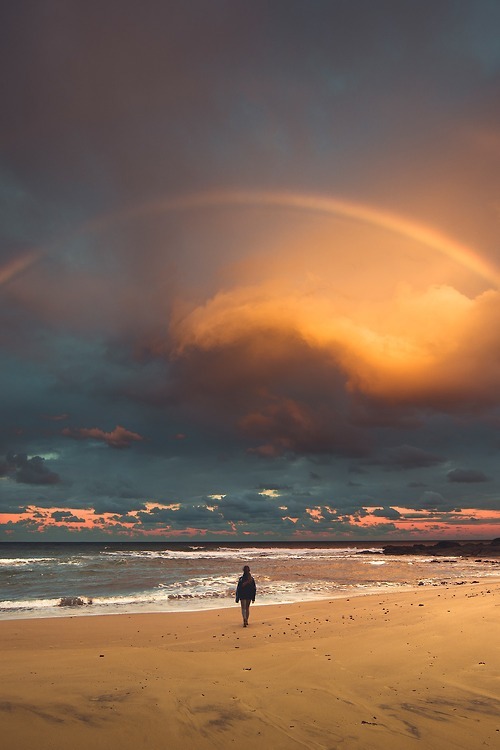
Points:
[117,438]
[394,355]
[247,295]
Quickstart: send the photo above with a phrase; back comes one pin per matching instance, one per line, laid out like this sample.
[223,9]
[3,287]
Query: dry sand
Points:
[419,669]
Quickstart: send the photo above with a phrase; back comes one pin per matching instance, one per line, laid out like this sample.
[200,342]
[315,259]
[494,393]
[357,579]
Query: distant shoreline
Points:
[231,544]
[448,548]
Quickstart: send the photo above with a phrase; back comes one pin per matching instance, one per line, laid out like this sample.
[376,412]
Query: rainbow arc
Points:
[426,236]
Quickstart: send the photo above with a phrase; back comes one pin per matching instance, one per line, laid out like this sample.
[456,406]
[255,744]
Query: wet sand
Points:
[419,669]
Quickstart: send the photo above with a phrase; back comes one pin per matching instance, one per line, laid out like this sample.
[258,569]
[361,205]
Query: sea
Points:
[81,579]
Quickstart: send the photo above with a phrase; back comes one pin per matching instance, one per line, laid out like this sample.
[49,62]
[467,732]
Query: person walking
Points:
[245,593]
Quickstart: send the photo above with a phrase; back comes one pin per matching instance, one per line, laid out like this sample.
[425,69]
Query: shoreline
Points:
[372,671]
[169,578]
[96,609]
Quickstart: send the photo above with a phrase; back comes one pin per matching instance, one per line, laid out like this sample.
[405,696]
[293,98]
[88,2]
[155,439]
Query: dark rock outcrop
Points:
[73,601]
[447,548]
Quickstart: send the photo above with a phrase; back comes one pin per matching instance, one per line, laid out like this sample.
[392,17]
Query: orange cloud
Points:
[313,522]
[306,330]
[117,438]
[413,347]
[329,314]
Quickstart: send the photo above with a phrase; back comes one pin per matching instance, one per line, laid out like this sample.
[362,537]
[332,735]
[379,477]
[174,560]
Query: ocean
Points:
[47,579]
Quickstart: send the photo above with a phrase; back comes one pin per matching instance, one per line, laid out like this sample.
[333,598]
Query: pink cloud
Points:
[117,438]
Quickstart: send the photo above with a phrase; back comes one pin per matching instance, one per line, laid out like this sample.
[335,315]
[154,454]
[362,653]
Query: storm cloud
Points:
[24,470]
[249,254]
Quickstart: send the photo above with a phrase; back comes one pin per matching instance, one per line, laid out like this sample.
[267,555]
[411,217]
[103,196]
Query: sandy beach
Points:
[401,670]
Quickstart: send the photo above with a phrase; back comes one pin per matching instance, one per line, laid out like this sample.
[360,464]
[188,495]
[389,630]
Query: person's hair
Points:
[246,569]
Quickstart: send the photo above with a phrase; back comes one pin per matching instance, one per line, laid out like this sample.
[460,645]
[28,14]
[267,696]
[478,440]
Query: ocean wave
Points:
[210,593]
[193,594]
[28,604]
[13,562]
[245,553]
[137,578]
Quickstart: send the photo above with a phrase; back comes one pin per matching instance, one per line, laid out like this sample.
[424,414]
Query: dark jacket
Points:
[246,589]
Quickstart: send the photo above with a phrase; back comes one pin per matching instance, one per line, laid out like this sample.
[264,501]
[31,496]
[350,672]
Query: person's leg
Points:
[243,610]
[248,609]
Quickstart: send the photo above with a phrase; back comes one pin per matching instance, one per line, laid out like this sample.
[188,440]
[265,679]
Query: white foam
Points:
[14,562]
[246,553]
[28,604]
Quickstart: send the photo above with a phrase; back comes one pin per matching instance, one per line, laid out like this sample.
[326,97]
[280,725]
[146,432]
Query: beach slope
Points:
[419,668]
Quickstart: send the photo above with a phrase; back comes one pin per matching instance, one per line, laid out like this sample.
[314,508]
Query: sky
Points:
[249,270]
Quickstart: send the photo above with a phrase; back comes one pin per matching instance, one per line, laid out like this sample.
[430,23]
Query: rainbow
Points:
[404,227]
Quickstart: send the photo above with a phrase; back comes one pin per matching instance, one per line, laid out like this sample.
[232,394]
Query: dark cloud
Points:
[432,500]
[281,395]
[248,346]
[66,516]
[105,504]
[199,516]
[467,476]
[117,490]
[357,470]
[124,518]
[390,513]
[26,470]
[249,507]
[249,510]
[408,457]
